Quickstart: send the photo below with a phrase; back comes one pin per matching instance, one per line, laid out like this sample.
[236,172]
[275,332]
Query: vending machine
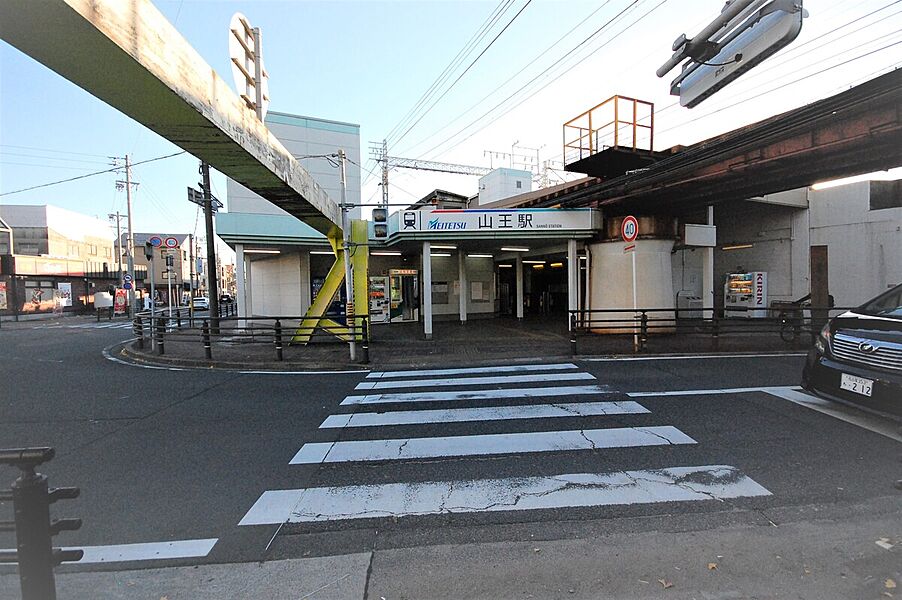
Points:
[745,295]
[379,301]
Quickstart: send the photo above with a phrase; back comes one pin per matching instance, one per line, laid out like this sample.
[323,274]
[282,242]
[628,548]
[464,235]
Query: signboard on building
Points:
[65,294]
[3,302]
[542,220]
[120,302]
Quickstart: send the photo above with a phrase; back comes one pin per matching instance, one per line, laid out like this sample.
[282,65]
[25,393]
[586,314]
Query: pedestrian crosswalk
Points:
[510,410]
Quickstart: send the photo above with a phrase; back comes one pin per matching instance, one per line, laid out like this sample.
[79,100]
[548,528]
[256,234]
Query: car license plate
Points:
[859,385]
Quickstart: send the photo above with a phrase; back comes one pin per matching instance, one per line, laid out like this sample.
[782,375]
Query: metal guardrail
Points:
[791,323]
[157,329]
[31,498]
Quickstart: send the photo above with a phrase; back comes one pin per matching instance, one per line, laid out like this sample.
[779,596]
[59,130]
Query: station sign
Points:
[541,220]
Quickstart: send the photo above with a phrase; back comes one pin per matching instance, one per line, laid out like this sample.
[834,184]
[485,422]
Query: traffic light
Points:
[380,223]
[148,250]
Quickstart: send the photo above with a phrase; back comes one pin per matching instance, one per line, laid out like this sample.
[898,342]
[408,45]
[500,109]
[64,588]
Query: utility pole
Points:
[130,249]
[346,239]
[212,288]
[191,272]
[118,217]
[384,173]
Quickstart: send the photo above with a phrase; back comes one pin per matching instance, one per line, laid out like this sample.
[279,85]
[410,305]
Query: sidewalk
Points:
[730,554]
[402,345]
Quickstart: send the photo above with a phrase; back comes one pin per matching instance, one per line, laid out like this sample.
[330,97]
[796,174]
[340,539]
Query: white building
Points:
[278,260]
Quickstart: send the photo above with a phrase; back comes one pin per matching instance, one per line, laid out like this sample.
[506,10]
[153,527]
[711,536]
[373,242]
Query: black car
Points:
[857,357]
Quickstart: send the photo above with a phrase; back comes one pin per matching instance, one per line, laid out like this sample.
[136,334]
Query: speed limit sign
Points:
[629,229]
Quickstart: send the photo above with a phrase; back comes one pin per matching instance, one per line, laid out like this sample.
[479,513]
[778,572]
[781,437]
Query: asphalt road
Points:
[184,455]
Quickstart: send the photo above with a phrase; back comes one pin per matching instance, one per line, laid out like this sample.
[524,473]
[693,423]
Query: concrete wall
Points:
[304,136]
[502,183]
[281,285]
[778,237]
[611,277]
[864,246]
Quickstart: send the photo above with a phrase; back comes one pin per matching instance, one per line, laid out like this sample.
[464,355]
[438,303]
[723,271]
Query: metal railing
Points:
[154,329]
[31,498]
[793,325]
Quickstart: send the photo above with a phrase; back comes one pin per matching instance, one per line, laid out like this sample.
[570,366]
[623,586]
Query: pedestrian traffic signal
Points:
[380,223]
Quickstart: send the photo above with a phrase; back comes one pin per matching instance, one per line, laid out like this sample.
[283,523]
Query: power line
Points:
[536,78]
[446,72]
[515,75]
[52,150]
[449,88]
[43,185]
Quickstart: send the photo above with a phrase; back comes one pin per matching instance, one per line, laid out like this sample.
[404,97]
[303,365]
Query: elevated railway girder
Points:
[853,132]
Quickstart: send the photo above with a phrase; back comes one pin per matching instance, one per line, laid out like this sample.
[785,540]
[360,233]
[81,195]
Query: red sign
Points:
[629,229]
[120,301]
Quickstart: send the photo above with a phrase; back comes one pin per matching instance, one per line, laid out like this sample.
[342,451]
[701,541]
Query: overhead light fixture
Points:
[262,251]
[514,249]
[557,265]
[505,266]
[538,266]
[440,254]
[584,258]
[385,253]
[533,262]
[323,252]
[480,256]
[444,247]
[738,247]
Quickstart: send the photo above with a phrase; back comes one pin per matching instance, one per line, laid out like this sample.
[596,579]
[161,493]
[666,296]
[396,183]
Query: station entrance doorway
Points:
[404,295]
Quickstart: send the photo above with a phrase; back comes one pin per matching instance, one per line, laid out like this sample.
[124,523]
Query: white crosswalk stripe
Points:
[508,394]
[470,371]
[459,381]
[717,482]
[491,413]
[571,390]
[486,445]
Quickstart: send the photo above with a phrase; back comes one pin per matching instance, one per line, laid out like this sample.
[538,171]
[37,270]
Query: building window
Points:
[519,184]
[886,194]
[73,250]
[28,248]
[92,250]
[108,252]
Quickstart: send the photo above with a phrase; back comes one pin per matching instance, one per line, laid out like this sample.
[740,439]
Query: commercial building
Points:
[52,258]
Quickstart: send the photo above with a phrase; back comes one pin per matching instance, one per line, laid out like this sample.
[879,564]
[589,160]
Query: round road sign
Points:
[126,278]
[155,241]
[629,229]
[171,242]
[127,285]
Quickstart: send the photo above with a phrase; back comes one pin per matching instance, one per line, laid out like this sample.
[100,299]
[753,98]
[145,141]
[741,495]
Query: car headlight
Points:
[822,341]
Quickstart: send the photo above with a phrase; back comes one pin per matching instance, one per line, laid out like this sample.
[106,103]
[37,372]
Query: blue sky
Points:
[369,63]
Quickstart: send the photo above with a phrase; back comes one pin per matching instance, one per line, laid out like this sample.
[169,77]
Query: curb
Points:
[123,354]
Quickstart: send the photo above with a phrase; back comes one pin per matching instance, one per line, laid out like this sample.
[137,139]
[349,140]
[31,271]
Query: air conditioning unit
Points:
[689,305]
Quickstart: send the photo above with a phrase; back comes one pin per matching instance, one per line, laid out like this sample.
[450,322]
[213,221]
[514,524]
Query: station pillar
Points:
[611,276]
[572,280]
[427,290]
[708,273]
[519,274]
[464,285]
